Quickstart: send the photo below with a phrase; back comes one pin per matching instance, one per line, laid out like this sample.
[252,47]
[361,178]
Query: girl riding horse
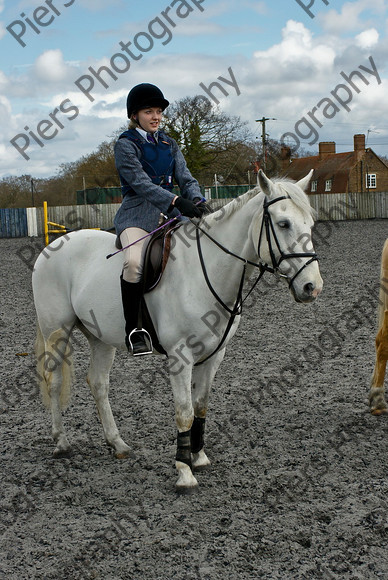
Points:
[147,161]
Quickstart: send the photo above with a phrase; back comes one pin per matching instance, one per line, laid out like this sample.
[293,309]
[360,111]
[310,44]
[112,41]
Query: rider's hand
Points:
[202,205]
[187,207]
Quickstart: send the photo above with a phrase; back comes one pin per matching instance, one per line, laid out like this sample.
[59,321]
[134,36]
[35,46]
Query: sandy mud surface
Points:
[298,486]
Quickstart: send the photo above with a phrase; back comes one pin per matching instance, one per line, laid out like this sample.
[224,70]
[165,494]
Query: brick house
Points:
[358,171]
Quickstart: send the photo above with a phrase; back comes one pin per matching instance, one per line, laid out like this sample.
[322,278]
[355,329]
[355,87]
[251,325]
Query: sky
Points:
[317,67]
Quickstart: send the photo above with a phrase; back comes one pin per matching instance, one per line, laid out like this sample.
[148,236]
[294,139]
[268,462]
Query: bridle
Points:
[268,229]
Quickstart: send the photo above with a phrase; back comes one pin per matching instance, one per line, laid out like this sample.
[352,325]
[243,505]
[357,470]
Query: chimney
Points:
[326,148]
[359,142]
[285,157]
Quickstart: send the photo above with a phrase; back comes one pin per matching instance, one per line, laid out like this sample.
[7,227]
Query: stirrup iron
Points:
[148,341]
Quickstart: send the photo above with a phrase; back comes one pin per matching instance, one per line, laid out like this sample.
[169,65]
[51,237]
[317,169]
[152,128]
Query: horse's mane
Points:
[230,208]
[284,186]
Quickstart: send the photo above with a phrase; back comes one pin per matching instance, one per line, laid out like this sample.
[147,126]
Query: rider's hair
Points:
[132,124]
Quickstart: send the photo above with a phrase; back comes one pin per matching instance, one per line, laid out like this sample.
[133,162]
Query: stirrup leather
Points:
[148,340]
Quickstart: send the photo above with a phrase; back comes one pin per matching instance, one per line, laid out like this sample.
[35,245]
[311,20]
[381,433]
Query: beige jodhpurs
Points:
[133,256]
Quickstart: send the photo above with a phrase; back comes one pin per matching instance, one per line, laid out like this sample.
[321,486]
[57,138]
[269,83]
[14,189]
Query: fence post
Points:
[45,224]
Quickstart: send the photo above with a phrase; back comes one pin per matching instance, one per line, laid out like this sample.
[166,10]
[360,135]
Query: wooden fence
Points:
[332,207]
[13,223]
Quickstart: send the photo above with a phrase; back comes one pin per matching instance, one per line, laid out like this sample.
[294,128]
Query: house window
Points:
[314,185]
[328,184]
[370,180]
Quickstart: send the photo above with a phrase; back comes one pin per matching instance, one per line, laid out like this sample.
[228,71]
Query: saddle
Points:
[156,256]
[155,261]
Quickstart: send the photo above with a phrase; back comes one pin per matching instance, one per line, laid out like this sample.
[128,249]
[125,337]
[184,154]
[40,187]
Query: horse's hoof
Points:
[125,454]
[378,412]
[199,468]
[120,449]
[200,461]
[181,490]
[186,480]
[58,452]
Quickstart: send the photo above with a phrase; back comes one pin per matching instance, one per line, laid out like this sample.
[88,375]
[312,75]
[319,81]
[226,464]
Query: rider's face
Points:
[149,119]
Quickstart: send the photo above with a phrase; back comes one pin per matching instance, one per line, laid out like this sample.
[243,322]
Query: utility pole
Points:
[263,137]
[32,192]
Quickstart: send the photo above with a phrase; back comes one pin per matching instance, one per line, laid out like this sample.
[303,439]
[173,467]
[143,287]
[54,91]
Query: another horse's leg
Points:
[377,401]
[55,373]
[101,360]
[203,377]
[184,415]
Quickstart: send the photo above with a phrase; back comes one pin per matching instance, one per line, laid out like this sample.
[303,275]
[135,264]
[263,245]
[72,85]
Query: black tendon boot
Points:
[131,296]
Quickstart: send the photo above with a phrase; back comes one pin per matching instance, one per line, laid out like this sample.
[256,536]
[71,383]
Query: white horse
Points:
[75,285]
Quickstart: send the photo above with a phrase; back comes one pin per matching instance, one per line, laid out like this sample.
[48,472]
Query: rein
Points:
[268,227]
[237,308]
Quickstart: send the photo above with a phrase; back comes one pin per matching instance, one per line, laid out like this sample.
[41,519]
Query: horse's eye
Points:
[284,225]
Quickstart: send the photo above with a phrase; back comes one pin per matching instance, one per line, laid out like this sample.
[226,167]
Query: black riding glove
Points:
[202,206]
[187,207]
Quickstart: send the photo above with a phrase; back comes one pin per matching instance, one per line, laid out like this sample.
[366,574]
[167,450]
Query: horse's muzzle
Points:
[309,293]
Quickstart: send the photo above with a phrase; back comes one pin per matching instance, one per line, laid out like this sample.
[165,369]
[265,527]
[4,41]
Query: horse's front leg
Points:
[203,377]
[180,380]
[377,402]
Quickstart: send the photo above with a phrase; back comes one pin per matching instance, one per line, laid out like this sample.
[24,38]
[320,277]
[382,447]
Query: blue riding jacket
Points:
[146,172]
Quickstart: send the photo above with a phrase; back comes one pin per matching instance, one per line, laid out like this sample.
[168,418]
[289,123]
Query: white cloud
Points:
[368,38]
[296,57]
[48,74]
[50,67]
[351,17]
[5,111]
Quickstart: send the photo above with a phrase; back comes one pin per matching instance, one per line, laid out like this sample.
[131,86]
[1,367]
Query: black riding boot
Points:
[131,297]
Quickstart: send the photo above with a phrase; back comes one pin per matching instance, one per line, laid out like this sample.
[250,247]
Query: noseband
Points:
[270,234]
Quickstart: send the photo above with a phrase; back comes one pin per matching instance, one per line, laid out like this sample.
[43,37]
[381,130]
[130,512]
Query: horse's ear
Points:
[303,183]
[264,182]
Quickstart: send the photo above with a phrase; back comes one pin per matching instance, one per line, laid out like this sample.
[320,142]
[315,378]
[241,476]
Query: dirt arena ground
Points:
[298,486]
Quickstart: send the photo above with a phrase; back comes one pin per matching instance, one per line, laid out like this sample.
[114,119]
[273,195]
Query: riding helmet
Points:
[143,96]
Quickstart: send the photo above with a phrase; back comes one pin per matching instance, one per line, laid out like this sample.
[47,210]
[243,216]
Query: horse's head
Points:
[285,242]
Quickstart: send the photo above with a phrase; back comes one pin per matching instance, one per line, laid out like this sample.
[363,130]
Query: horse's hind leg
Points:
[102,356]
[377,401]
[203,377]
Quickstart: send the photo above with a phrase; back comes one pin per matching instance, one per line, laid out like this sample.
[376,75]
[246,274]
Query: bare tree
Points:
[207,137]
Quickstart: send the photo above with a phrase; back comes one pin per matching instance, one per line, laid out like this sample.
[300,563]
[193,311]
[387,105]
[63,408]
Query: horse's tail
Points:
[52,354]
